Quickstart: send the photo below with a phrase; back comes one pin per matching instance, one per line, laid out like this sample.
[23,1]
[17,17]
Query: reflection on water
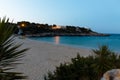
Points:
[113,41]
[57,39]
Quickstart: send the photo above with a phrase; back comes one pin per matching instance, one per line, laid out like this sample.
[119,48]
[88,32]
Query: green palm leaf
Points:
[9,50]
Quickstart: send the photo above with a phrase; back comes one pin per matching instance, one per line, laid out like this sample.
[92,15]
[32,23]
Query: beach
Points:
[43,57]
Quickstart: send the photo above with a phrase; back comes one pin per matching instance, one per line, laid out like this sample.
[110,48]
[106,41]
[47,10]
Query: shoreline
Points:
[97,43]
[66,34]
[43,57]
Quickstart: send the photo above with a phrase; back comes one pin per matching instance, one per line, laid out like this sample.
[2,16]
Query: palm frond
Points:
[9,51]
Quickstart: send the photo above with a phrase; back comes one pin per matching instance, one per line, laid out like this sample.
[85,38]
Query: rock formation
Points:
[113,74]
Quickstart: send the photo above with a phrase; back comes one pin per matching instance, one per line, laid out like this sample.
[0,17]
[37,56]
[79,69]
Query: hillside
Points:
[36,29]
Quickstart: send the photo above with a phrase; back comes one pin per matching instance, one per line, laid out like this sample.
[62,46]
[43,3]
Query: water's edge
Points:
[89,42]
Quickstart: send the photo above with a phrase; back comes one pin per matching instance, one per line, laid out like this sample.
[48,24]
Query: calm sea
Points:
[91,42]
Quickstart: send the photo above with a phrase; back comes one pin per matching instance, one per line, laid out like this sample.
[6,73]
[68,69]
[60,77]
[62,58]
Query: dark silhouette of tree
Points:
[86,68]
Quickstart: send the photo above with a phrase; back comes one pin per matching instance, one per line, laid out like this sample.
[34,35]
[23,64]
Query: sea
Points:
[90,42]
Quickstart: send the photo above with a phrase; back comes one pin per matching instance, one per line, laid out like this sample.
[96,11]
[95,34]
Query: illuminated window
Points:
[56,27]
[22,25]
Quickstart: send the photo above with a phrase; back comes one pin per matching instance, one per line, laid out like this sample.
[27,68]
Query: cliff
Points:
[36,29]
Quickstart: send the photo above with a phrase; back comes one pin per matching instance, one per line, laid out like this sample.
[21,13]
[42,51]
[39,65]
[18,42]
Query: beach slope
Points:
[43,57]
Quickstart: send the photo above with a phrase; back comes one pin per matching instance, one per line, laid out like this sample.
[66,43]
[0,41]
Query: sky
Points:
[99,15]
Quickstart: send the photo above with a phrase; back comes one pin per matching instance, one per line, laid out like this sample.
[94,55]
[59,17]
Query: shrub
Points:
[86,68]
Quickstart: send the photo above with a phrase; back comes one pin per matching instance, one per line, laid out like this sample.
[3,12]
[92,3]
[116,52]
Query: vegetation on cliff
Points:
[36,29]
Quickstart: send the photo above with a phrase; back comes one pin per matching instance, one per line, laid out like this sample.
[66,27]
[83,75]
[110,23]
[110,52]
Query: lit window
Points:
[22,25]
[56,27]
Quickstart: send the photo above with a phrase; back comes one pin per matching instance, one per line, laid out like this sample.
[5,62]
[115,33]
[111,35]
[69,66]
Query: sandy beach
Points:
[43,57]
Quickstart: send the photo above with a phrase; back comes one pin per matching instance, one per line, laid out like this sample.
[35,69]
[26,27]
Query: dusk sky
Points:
[99,15]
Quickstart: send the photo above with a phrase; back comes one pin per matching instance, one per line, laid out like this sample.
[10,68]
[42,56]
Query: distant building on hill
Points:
[78,29]
[56,27]
[23,24]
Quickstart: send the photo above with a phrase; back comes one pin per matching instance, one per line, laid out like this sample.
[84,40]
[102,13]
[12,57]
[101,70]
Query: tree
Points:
[87,68]
[103,60]
[9,52]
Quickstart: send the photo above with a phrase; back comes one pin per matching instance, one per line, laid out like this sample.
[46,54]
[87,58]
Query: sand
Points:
[43,57]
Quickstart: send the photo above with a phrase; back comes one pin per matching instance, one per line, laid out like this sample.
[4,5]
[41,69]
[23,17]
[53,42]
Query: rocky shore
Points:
[66,34]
